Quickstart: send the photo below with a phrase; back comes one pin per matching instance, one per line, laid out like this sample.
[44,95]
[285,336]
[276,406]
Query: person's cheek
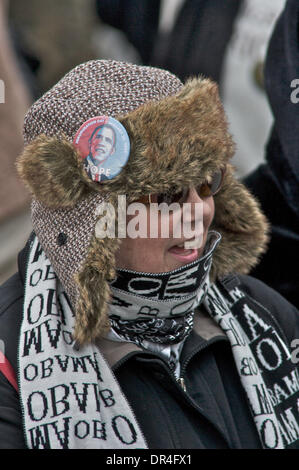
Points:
[209,212]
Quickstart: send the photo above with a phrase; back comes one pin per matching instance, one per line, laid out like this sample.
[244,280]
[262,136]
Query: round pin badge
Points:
[104,146]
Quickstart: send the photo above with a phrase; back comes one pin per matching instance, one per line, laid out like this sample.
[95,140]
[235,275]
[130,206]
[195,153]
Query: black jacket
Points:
[212,413]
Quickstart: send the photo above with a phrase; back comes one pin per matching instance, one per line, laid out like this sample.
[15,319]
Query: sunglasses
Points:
[207,189]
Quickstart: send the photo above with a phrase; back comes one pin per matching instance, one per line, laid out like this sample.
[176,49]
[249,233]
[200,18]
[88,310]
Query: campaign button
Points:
[104,146]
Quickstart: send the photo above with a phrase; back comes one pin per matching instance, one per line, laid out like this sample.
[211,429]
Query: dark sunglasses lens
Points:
[217,181]
[170,197]
[205,190]
[211,188]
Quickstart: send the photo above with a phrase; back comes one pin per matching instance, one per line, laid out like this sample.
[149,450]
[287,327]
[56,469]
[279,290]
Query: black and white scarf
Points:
[263,360]
[156,310]
[71,399]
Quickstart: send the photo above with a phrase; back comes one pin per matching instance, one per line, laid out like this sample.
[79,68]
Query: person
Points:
[276,182]
[125,342]
[101,147]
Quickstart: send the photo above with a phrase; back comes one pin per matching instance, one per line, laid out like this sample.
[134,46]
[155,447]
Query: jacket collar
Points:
[203,331]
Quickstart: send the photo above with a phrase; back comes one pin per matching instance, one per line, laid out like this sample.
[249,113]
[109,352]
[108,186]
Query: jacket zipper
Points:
[201,347]
[179,382]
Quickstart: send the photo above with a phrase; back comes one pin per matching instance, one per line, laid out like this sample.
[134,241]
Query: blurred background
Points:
[41,40]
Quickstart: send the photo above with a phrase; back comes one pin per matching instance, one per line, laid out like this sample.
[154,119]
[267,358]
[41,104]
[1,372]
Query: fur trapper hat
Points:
[178,137]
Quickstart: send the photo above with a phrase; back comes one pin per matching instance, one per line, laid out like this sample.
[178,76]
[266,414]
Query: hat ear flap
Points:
[52,171]
[94,290]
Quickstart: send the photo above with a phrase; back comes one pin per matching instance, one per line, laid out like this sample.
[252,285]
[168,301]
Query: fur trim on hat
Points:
[243,227]
[178,141]
[51,170]
[98,269]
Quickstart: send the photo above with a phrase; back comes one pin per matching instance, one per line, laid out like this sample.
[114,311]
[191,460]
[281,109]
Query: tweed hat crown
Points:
[178,137]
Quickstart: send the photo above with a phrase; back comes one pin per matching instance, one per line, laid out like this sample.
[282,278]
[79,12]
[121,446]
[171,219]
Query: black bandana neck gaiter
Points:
[160,307]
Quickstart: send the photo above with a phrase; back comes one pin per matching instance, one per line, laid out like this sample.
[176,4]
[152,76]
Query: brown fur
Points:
[243,227]
[195,143]
[175,142]
[51,170]
[91,308]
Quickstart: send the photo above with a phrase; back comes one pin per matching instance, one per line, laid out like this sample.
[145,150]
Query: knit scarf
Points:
[263,360]
[159,306]
[156,311]
[71,399]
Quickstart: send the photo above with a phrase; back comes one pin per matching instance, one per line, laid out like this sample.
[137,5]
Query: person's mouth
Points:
[186,255]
